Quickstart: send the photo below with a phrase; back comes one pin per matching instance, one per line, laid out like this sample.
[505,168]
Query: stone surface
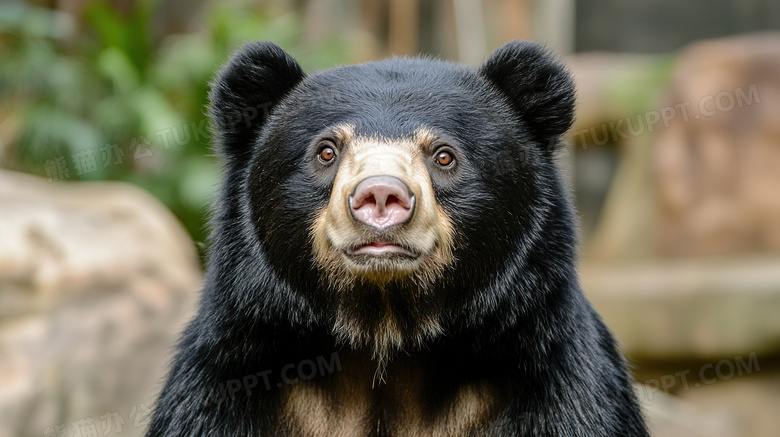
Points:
[750,402]
[689,309]
[718,169]
[669,416]
[96,280]
[736,396]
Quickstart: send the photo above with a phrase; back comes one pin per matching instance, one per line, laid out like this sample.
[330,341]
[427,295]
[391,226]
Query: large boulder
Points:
[96,279]
[718,163]
[691,309]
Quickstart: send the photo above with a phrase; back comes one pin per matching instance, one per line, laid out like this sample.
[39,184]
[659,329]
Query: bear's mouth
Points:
[380,248]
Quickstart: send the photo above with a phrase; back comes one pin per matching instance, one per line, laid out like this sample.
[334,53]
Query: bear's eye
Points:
[327,152]
[444,159]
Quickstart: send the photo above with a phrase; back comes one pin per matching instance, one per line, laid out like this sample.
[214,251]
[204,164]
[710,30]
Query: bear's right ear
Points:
[537,86]
[255,79]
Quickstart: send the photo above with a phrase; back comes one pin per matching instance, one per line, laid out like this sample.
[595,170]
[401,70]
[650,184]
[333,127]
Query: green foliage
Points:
[636,89]
[103,100]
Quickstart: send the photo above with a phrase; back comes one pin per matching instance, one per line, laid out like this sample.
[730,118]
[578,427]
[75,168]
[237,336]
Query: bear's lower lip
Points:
[380,248]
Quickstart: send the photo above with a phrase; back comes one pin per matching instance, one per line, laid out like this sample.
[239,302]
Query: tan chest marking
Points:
[347,405]
[340,405]
[417,408]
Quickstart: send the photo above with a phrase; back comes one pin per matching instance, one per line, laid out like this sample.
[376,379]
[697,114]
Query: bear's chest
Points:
[410,401]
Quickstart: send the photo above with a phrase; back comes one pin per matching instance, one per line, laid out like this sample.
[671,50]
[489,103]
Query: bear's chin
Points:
[344,270]
[381,269]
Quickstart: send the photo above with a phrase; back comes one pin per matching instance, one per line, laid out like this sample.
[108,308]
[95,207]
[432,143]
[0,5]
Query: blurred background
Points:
[674,164]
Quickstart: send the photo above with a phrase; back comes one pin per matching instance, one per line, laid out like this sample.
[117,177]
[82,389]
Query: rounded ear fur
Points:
[255,79]
[536,85]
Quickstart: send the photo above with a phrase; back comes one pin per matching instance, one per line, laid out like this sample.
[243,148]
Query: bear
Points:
[393,253]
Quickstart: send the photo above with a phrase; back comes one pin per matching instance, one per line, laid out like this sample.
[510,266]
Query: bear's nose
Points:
[381,202]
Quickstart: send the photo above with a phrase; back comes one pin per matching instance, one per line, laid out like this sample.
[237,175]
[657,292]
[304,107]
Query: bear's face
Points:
[388,154]
[388,195]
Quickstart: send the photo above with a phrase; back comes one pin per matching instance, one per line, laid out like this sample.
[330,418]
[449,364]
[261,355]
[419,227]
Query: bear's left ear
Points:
[255,79]
[537,86]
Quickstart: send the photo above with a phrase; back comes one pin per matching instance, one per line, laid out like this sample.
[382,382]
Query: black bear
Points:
[393,253]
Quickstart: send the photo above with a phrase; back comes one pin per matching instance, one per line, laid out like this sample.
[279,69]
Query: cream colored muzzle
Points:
[382,220]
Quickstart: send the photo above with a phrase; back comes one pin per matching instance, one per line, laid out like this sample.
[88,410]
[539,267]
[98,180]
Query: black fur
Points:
[512,309]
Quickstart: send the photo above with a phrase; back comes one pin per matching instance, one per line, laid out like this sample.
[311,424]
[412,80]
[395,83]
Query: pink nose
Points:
[381,202]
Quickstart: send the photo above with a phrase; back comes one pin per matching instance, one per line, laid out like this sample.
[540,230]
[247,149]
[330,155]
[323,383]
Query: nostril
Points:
[392,200]
[357,202]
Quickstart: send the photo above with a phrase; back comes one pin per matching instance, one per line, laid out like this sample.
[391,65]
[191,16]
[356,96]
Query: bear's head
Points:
[391,201]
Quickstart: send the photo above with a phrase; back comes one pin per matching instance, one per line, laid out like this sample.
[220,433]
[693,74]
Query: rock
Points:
[689,309]
[750,401]
[96,280]
[736,396]
[717,165]
[669,416]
